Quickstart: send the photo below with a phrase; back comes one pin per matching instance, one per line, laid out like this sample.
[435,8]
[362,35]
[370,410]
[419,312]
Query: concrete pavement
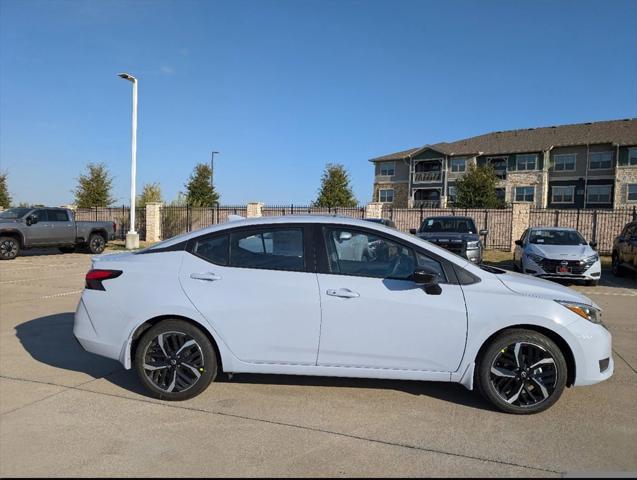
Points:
[64,412]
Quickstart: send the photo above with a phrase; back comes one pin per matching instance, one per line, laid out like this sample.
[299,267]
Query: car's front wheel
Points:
[616,266]
[175,360]
[9,248]
[521,371]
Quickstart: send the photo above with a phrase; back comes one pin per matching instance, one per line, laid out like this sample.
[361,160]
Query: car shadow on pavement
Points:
[50,340]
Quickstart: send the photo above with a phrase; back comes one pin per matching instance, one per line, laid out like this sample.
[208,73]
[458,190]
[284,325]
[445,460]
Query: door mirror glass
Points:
[31,220]
[519,243]
[593,244]
[484,232]
[413,231]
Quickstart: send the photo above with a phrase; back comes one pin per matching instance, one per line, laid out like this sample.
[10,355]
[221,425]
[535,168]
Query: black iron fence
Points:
[601,226]
[120,216]
[354,212]
[498,222]
[176,220]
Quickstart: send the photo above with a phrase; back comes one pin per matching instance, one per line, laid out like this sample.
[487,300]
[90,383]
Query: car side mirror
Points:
[519,243]
[484,232]
[593,244]
[427,280]
[31,220]
[413,231]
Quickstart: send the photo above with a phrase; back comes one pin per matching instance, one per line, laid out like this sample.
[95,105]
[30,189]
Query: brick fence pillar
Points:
[254,210]
[520,220]
[374,210]
[153,222]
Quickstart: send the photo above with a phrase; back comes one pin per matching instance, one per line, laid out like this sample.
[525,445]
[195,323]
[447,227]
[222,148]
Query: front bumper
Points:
[593,352]
[594,272]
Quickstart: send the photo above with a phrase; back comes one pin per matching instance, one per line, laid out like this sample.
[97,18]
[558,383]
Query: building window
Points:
[386,195]
[524,194]
[499,164]
[598,194]
[526,161]
[601,160]
[451,194]
[632,156]
[387,168]
[458,164]
[564,162]
[501,194]
[631,192]
[563,194]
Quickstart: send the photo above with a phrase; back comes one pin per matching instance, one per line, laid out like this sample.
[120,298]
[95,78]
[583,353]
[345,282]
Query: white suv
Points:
[308,295]
[557,253]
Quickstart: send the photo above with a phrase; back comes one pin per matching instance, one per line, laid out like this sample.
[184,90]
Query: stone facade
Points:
[401,193]
[624,176]
[153,222]
[254,210]
[534,178]
[521,217]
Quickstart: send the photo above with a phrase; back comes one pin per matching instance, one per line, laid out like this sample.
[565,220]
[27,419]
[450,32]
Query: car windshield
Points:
[556,237]
[448,225]
[14,213]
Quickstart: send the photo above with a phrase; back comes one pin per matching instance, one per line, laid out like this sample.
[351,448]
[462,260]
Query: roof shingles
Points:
[618,132]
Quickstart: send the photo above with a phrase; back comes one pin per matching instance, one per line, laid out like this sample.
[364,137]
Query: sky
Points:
[281,88]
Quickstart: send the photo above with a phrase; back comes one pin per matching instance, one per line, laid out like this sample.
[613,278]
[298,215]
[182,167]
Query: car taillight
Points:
[94,278]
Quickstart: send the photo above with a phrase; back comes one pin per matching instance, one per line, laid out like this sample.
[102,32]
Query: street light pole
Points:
[132,237]
[212,168]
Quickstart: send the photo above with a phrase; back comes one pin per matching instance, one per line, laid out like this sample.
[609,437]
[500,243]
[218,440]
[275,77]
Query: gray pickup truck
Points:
[456,234]
[24,228]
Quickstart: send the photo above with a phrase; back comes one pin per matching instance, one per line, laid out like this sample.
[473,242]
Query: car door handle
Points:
[343,293]
[209,277]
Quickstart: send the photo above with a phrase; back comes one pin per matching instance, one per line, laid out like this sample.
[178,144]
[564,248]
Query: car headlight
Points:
[536,258]
[592,259]
[587,312]
[473,245]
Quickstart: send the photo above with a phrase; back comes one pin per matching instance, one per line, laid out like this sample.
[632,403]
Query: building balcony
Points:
[427,203]
[428,177]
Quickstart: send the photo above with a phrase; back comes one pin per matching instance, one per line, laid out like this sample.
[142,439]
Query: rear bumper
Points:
[85,333]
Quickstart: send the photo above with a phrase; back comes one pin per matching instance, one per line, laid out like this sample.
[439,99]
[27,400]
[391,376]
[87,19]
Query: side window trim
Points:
[323,262]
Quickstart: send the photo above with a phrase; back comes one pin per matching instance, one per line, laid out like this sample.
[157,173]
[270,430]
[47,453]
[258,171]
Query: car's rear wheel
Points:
[9,248]
[96,243]
[616,267]
[175,360]
[522,371]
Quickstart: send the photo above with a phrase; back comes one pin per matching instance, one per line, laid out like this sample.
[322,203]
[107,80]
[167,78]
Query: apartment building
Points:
[586,165]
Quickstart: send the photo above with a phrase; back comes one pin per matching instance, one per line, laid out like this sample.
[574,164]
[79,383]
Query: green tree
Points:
[94,187]
[151,192]
[5,196]
[335,189]
[199,192]
[476,188]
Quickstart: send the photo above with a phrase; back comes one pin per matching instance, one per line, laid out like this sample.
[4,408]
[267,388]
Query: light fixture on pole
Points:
[132,237]
[212,168]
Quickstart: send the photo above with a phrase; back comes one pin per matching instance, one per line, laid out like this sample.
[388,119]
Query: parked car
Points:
[558,253]
[457,234]
[383,221]
[308,295]
[24,228]
[625,250]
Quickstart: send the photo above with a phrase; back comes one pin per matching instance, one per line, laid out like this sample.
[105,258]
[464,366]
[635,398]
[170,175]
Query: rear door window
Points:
[270,249]
[57,216]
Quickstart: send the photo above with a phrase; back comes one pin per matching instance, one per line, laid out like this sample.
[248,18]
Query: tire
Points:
[192,370]
[592,283]
[616,267]
[9,248]
[521,391]
[96,243]
[66,249]
[515,266]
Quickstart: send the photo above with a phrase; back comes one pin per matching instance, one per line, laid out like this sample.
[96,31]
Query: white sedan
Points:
[336,297]
[557,253]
